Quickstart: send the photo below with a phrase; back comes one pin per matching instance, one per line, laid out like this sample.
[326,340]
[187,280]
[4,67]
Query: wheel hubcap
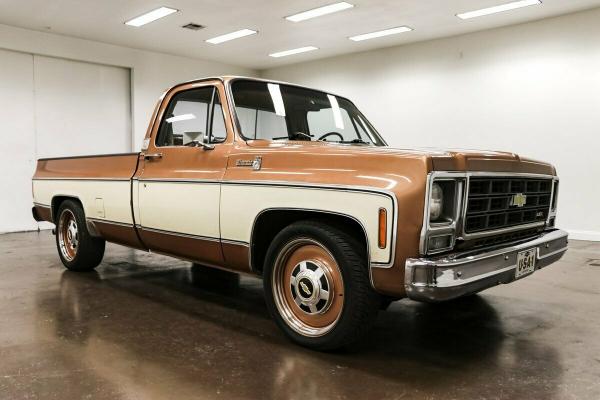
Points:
[307,287]
[68,235]
[310,287]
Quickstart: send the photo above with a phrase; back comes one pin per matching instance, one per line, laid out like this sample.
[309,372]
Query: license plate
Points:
[525,263]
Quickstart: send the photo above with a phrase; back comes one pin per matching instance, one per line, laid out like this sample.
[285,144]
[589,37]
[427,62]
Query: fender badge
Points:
[255,164]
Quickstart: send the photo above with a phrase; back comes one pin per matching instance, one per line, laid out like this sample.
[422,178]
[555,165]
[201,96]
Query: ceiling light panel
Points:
[231,36]
[151,16]
[317,12]
[501,8]
[386,32]
[293,51]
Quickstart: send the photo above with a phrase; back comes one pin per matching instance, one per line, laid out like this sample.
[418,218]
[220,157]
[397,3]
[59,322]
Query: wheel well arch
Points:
[269,222]
[58,200]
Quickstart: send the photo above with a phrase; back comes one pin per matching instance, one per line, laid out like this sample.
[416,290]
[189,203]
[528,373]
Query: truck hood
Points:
[462,160]
[489,161]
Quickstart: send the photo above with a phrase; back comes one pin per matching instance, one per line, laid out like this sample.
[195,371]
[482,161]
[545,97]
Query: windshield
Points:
[272,111]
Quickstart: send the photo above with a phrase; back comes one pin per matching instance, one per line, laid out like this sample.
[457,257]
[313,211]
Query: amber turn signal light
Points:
[382,239]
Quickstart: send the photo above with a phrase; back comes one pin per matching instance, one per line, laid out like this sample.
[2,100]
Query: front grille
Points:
[492,203]
[498,239]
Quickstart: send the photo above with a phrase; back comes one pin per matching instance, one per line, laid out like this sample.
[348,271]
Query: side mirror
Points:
[205,143]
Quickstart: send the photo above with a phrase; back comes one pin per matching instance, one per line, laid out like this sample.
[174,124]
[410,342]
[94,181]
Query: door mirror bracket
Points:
[196,143]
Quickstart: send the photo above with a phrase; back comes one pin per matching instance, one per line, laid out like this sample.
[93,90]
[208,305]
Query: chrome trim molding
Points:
[89,156]
[455,275]
[190,236]
[91,225]
[235,242]
[179,234]
[81,179]
[179,180]
[553,195]
[105,221]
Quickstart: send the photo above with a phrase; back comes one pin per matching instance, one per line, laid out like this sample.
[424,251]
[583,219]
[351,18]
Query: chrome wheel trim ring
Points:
[278,288]
[68,235]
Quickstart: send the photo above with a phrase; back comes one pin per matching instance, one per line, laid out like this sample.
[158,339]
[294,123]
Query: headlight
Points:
[442,201]
[444,204]
[437,202]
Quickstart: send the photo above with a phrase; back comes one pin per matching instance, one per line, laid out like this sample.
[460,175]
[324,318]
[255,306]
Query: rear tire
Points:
[317,286]
[78,250]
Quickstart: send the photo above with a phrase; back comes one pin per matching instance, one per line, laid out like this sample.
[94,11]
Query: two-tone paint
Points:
[205,205]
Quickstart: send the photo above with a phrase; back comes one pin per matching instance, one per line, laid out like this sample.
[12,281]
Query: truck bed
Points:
[104,166]
[101,183]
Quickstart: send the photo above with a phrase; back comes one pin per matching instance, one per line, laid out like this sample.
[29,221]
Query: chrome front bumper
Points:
[455,275]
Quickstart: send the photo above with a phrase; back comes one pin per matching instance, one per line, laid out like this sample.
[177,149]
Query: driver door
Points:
[178,183]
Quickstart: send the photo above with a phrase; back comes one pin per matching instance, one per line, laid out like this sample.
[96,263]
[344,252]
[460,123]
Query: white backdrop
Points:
[17,159]
[53,107]
[533,89]
[81,108]
[66,111]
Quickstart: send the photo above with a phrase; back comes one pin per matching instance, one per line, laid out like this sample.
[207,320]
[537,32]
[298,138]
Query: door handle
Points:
[152,156]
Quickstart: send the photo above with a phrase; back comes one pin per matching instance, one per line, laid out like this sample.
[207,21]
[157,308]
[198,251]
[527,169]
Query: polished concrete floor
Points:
[150,327]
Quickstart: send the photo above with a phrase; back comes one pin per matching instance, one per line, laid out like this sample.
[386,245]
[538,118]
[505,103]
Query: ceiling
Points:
[104,21]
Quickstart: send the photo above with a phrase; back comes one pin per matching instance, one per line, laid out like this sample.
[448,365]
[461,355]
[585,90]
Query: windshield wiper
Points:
[358,141]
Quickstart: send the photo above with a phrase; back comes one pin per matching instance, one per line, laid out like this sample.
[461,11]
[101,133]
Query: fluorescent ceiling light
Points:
[151,16]
[503,7]
[387,32]
[293,51]
[230,36]
[317,12]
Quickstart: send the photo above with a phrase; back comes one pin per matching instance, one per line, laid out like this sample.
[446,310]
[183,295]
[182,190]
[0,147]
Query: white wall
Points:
[533,89]
[152,73]
[51,107]
[42,96]
[18,140]
[80,108]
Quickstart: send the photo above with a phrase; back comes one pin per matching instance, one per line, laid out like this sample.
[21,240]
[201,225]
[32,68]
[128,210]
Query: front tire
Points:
[317,286]
[78,250]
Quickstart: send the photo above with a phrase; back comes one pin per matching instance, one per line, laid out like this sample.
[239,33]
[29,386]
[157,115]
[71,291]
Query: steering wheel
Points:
[323,137]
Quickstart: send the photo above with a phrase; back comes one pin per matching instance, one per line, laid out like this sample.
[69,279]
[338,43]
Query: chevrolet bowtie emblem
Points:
[518,200]
[305,288]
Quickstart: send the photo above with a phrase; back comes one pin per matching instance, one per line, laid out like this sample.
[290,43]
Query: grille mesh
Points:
[491,203]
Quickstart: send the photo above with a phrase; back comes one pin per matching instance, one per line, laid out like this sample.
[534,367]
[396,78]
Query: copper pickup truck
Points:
[296,186]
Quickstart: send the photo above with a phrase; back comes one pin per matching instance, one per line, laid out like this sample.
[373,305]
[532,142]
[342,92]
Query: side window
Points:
[188,116]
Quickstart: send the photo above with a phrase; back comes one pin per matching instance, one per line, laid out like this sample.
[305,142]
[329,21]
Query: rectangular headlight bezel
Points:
[453,186]
[553,201]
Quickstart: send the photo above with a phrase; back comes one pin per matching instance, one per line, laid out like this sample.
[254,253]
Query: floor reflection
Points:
[157,327]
